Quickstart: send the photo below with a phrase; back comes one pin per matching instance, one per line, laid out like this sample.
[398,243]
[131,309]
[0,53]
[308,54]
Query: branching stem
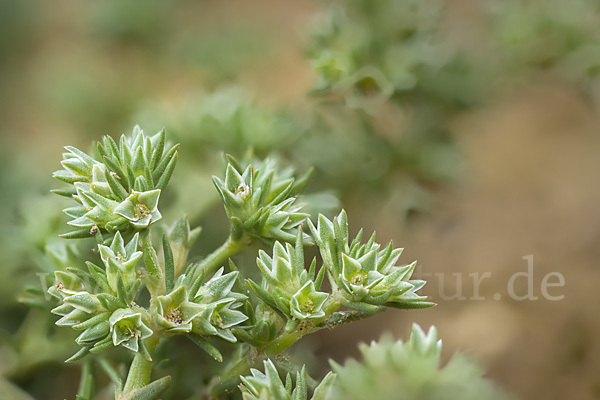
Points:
[218,257]
[141,368]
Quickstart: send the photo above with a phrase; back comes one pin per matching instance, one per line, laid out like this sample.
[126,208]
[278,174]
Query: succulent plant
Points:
[366,274]
[138,293]
[120,190]
[176,312]
[287,285]
[128,329]
[412,369]
[259,201]
[268,385]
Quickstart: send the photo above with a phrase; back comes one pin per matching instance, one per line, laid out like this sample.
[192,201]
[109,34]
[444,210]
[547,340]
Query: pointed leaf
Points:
[169,265]
[207,347]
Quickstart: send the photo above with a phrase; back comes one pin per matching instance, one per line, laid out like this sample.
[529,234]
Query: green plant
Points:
[390,370]
[135,292]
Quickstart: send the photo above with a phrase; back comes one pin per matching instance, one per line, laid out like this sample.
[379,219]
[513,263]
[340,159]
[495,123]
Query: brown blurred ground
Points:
[530,188]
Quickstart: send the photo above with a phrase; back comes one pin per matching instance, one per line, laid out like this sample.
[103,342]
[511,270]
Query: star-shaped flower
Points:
[176,312]
[356,279]
[307,303]
[128,329]
[140,208]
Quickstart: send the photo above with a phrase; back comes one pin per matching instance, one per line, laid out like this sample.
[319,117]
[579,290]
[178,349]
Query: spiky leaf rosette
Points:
[365,273]
[268,385]
[118,190]
[202,309]
[287,286]
[261,201]
[108,318]
[412,371]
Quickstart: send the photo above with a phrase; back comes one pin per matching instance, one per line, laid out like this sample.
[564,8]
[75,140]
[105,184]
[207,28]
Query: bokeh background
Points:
[466,131]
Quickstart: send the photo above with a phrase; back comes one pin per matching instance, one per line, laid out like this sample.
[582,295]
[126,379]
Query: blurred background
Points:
[466,131]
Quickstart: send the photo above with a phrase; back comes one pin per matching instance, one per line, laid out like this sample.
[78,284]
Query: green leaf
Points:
[169,265]
[150,257]
[116,168]
[323,391]
[102,345]
[319,278]
[92,321]
[234,162]
[207,347]
[300,392]
[81,274]
[111,302]
[411,305]
[149,179]
[162,166]
[65,192]
[112,373]
[68,177]
[78,234]
[143,350]
[122,292]
[166,175]
[102,202]
[83,156]
[150,391]
[116,187]
[94,333]
[159,148]
[265,296]
[99,276]
[84,351]
[138,163]
[84,301]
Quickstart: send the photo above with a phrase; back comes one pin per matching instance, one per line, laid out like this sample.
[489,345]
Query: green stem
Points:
[86,384]
[288,339]
[218,257]
[344,317]
[141,368]
[227,381]
[330,320]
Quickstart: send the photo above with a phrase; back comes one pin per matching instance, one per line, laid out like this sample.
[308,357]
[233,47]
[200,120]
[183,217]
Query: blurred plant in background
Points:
[389,83]
[561,40]
[115,302]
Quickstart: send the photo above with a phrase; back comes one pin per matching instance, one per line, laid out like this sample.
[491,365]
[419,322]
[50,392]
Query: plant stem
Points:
[229,379]
[141,368]
[218,257]
[286,340]
[86,384]
[344,317]
[331,320]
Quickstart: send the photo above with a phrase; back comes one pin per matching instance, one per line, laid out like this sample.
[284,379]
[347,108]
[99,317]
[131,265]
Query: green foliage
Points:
[366,274]
[390,83]
[356,58]
[550,36]
[412,369]
[120,192]
[389,370]
[260,201]
[135,299]
[268,385]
